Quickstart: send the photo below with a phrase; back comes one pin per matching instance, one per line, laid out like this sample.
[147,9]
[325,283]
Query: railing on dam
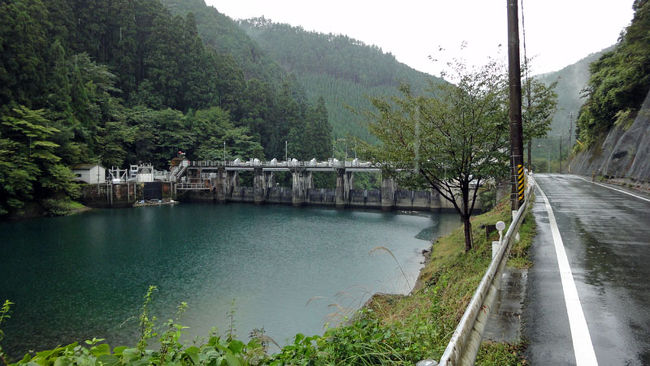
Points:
[274,164]
[220,181]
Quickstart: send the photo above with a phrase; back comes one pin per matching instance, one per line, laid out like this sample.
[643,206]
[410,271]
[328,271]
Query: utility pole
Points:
[570,142]
[286,151]
[570,128]
[560,171]
[514,76]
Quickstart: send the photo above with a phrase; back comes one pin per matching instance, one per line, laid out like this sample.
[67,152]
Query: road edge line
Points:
[614,189]
[582,347]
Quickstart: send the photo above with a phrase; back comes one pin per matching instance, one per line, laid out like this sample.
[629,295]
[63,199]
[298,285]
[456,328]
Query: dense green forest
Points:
[619,81]
[225,36]
[125,81]
[343,70]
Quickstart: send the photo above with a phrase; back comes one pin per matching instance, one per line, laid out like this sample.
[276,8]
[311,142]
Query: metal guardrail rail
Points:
[465,341]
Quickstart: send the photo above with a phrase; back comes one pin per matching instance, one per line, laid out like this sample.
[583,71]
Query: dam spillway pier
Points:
[219,181]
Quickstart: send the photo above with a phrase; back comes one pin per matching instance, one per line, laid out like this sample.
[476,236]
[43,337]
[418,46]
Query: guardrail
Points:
[465,341]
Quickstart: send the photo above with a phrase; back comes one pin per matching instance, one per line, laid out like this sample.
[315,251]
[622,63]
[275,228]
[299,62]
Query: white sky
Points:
[558,32]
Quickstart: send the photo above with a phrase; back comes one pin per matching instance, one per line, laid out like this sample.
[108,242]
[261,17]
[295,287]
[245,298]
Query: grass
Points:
[499,354]
[445,287]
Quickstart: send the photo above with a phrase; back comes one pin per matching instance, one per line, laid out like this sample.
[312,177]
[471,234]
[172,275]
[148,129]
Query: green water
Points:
[78,277]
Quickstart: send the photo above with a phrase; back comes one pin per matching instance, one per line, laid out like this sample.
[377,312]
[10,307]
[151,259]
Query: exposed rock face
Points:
[623,154]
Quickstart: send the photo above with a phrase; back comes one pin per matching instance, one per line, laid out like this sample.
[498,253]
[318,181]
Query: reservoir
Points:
[280,268]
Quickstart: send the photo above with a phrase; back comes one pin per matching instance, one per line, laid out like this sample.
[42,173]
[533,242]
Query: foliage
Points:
[620,80]
[124,82]
[31,168]
[538,108]
[498,354]
[449,142]
[4,315]
[539,104]
[342,70]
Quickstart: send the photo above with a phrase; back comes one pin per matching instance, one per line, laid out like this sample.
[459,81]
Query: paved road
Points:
[606,237]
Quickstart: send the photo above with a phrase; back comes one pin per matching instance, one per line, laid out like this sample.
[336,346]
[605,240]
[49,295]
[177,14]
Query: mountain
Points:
[571,80]
[223,34]
[342,70]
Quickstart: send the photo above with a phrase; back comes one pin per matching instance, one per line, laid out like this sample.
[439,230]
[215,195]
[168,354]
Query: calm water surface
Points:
[83,276]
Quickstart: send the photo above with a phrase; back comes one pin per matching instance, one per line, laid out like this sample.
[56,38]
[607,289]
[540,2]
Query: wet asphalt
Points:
[606,236]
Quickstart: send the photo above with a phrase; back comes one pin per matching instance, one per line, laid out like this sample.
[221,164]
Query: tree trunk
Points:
[468,233]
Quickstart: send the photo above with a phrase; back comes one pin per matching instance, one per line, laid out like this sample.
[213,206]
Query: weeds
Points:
[231,321]
[382,248]
[146,324]
[4,315]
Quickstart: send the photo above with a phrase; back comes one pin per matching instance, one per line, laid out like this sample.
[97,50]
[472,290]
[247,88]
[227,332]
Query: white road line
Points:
[614,189]
[582,346]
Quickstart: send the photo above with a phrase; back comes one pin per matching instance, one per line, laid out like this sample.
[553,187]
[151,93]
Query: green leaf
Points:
[130,354]
[193,353]
[101,349]
[118,350]
[109,360]
[232,360]
[236,346]
[62,361]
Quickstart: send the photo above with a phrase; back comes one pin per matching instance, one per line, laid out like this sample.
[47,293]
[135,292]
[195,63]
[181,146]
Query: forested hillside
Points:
[619,81]
[614,123]
[342,70]
[124,81]
[222,34]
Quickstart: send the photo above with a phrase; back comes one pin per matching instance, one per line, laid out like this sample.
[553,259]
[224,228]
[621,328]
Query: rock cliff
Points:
[624,153]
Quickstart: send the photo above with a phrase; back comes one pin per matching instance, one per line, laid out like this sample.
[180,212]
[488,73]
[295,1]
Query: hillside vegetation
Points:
[342,70]
[619,81]
[125,81]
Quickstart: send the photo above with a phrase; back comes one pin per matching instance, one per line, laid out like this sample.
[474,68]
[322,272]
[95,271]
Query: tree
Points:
[538,108]
[211,128]
[30,167]
[319,132]
[619,81]
[452,140]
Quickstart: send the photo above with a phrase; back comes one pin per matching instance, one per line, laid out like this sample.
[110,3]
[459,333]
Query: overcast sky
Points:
[558,32]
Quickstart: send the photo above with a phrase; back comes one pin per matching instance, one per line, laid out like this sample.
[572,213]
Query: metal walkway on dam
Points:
[219,181]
